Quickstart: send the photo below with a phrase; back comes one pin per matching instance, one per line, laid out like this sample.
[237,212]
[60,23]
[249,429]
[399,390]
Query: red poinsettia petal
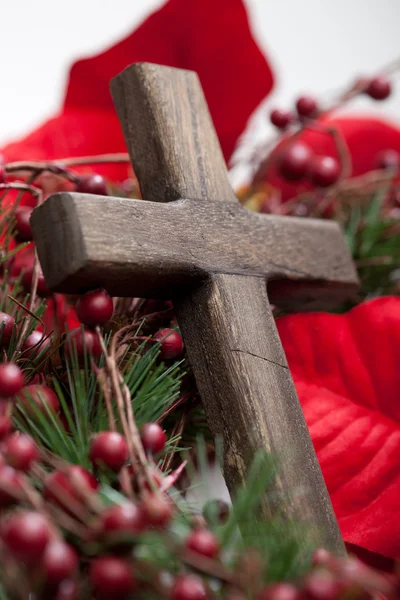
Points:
[346,371]
[211,38]
[365,138]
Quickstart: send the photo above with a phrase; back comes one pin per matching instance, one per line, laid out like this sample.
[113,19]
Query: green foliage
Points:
[373,239]
[153,389]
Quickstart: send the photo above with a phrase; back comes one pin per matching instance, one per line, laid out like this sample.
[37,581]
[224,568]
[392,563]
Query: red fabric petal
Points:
[212,38]
[346,371]
[365,137]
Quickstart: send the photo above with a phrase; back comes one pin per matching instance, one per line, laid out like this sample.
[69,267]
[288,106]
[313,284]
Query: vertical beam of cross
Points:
[226,319]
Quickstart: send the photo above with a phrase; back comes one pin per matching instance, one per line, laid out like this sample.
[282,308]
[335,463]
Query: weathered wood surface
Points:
[169,134]
[250,400]
[164,245]
[213,259]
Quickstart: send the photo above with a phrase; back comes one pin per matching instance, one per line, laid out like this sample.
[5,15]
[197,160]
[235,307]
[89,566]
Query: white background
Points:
[314,45]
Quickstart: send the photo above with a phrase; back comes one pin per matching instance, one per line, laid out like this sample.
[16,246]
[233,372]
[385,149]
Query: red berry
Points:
[26,536]
[20,451]
[123,518]
[322,557]
[171,343]
[322,585]
[27,281]
[294,162]
[74,482]
[111,577]
[203,542]
[7,323]
[68,590]
[189,587]
[22,224]
[94,308]
[40,395]
[92,184]
[36,343]
[306,106]
[59,561]
[324,171]
[281,118]
[280,591]
[153,438]
[109,449]
[78,341]
[2,173]
[379,88]
[158,509]
[11,486]
[388,159]
[11,380]
[6,426]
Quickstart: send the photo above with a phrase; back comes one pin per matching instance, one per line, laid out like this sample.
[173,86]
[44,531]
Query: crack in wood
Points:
[258,356]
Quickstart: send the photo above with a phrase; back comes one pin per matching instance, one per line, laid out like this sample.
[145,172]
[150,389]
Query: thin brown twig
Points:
[119,157]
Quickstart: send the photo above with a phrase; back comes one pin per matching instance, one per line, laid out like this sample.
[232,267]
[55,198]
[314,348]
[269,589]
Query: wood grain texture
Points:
[152,248]
[250,400]
[170,135]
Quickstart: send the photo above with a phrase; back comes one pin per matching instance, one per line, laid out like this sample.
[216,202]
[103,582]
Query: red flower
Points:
[365,137]
[347,375]
[212,38]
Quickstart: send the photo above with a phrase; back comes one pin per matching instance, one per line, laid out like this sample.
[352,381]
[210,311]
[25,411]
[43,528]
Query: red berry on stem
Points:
[171,343]
[158,509]
[20,451]
[153,438]
[123,518]
[59,561]
[203,542]
[92,184]
[74,482]
[388,159]
[7,323]
[307,106]
[94,308]
[322,557]
[111,577]
[36,343]
[40,395]
[11,380]
[22,224]
[281,118]
[324,171]
[379,88]
[78,341]
[11,486]
[294,161]
[26,535]
[109,449]
[280,591]
[189,587]
[322,585]
[27,281]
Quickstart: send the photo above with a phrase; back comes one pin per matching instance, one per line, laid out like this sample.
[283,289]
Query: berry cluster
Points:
[296,161]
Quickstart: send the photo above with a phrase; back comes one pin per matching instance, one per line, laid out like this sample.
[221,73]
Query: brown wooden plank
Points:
[170,135]
[147,249]
[250,400]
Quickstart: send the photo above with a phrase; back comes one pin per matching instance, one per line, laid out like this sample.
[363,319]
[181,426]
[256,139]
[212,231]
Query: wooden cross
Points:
[213,258]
